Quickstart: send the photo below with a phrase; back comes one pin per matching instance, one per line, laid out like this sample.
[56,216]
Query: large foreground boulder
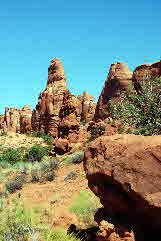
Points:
[124,171]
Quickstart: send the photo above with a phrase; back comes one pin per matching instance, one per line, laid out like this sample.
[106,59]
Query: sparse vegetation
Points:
[76,157]
[60,235]
[3,133]
[15,183]
[141,112]
[84,206]
[45,171]
[48,139]
[18,223]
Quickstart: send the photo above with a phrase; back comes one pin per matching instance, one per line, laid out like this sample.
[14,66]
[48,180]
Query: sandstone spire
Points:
[117,80]
[46,115]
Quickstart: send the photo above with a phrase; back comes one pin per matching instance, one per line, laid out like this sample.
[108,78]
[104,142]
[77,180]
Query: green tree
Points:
[141,112]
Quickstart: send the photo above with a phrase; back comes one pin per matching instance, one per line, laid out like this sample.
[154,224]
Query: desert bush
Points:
[71,176]
[44,171]
[141,112]
[84,206]
[95,131]
[36,153]
[15,183]
[48,139]
[76,157]
[17,224]
[11,155]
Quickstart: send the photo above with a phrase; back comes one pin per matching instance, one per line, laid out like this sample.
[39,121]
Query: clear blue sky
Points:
[87,35]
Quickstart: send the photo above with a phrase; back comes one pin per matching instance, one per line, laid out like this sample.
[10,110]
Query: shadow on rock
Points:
[88,234]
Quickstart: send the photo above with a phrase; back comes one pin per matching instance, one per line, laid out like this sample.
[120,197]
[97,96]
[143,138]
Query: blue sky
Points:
[87,35]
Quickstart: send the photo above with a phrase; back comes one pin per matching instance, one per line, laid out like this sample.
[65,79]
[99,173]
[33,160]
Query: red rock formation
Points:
[16,120]
[144,72]
[70,117]
[1,121]
[88,107]
[58,112]
[25,119]
[12,119]
[125,172]
[46,115]
[118,79]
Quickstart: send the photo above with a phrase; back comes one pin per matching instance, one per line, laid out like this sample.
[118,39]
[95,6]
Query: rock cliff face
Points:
[16,120]
[58,112]
[144,72]
[118,80]
[125,172]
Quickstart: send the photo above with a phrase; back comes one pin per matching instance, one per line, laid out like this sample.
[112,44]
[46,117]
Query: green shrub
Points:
[11,155]
[48,139]
[59,235]
[141,112]
[84,206]
[45,171]
[76,157]
[17,224]
[15,183]
[36,153]
[95,131]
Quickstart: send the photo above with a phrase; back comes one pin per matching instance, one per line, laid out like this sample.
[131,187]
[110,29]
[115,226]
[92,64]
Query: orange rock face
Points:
[118,80]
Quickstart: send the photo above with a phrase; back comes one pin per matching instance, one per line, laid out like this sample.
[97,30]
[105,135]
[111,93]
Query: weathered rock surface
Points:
[88,107]
[125,172]
[118,80]
[109,232]
[25,119]
[16,120]
[144,72]
[46,115]
[1,121]
[58,112]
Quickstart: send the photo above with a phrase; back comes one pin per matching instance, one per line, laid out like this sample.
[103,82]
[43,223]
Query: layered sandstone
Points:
[118,80]
[125,172]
